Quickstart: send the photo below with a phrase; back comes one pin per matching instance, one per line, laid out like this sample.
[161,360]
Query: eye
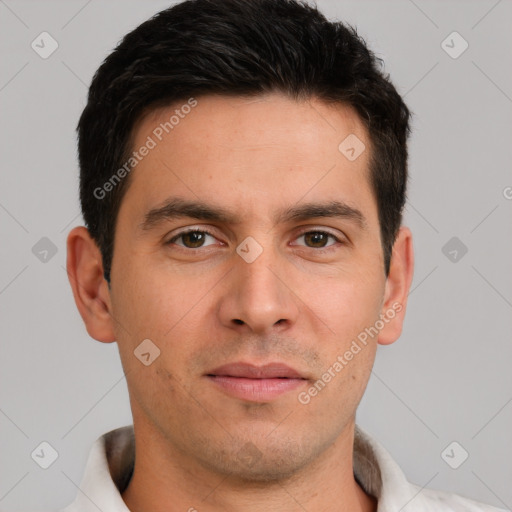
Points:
[196,239]
[191,239]
[318,239]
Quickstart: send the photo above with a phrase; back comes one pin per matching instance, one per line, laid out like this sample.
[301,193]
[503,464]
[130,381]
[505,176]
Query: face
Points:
[262,303]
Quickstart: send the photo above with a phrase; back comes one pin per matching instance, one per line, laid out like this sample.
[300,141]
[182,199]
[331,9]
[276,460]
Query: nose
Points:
[258,297]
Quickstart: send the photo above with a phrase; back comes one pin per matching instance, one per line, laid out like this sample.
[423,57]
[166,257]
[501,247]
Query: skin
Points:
[204,306]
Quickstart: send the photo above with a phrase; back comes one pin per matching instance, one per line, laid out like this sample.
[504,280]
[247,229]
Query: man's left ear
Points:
[397,288]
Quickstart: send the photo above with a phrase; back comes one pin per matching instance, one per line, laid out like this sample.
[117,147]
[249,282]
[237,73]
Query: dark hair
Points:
[236,47]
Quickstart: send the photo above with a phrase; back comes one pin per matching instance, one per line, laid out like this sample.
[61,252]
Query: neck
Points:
[166,480]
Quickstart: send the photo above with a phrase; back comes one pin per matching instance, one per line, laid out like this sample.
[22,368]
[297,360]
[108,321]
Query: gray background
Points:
[447,379]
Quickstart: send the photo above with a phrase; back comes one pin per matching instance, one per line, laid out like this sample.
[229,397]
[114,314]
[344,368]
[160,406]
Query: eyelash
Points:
[320,250]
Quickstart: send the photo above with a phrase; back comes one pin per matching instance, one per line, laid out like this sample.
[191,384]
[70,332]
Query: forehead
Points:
[257,124]
[251,153]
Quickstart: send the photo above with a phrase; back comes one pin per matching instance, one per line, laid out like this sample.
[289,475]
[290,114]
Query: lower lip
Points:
[256,390]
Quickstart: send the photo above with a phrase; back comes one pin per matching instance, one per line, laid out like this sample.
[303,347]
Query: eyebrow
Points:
[176,208]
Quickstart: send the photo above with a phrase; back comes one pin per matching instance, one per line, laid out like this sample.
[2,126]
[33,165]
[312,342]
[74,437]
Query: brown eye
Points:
[192,239]
[318,239]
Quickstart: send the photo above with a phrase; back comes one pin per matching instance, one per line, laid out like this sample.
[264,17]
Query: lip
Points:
[251,371]
[256,383]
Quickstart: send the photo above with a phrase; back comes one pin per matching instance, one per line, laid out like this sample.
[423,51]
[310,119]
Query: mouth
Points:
[256,383]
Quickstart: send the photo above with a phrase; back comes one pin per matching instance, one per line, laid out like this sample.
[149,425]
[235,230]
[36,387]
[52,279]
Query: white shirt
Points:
[110,465]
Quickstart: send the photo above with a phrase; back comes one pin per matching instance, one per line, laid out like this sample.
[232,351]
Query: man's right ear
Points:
[90,289]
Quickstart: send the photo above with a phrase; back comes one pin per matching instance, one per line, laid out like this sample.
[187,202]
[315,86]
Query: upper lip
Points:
[251,371]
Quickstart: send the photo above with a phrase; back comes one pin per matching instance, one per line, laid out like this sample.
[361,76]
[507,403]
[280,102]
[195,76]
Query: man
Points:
[243,172]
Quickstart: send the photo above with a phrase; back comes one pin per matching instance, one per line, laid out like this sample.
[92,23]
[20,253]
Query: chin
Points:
[245,462]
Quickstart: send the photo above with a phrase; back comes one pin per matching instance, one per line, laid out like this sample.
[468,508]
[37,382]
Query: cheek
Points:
[152,303]
[148,308]
[333,398]
[167,308]
[351,308]
[349,304]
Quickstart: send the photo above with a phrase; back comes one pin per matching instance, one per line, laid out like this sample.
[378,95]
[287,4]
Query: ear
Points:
[90,289]
[397,287]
